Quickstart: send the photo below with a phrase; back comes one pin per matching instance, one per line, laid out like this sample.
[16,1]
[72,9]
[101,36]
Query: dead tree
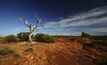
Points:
[31,27]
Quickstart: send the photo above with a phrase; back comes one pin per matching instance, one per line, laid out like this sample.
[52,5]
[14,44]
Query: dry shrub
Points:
[2,41]
[45,38]
[5,51]
[11,38]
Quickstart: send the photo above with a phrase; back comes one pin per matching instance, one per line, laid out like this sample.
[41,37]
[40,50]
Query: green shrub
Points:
[23,36]
[5,51]
[11,38]
[45,38]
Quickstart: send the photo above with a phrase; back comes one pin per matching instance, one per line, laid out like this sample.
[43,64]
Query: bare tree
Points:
[31,27]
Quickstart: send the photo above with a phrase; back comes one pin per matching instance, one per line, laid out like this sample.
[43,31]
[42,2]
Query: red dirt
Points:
[62,52]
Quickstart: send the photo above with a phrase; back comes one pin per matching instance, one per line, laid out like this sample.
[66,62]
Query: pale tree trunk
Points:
[30,37]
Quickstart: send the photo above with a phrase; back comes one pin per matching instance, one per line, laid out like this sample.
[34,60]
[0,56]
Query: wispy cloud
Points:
[97,30]
[94,20]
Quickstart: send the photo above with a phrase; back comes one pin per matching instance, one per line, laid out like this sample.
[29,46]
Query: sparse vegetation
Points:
[99,37]
[23,36]
[11,38]
[5,51]
[45,38]
[94,52]
[91,47]
[2,40]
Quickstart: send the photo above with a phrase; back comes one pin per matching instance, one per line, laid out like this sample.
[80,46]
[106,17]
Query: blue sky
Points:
[93,22]
[64,17]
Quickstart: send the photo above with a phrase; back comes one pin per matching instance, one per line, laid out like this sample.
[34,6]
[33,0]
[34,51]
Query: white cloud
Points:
[95,16]
[88,22]
[52,24]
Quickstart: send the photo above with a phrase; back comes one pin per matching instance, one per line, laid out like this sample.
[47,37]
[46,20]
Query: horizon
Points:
[58,17]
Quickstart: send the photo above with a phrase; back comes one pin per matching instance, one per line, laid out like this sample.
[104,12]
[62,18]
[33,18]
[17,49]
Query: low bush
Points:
[11,38]
[45,38]
[5,51]
[23,36]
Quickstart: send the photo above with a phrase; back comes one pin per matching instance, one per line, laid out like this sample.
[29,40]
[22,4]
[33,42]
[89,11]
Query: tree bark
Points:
[30,37]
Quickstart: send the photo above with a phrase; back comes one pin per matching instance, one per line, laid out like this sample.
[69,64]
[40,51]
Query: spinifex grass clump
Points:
[5,51]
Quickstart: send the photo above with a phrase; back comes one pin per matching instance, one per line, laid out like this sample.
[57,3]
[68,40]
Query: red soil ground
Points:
[62,52]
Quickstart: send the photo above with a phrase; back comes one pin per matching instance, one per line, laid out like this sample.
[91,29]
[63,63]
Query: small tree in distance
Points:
[85,34]
[31,27]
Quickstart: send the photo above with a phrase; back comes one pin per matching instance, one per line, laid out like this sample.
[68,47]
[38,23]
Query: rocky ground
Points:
[62,52]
